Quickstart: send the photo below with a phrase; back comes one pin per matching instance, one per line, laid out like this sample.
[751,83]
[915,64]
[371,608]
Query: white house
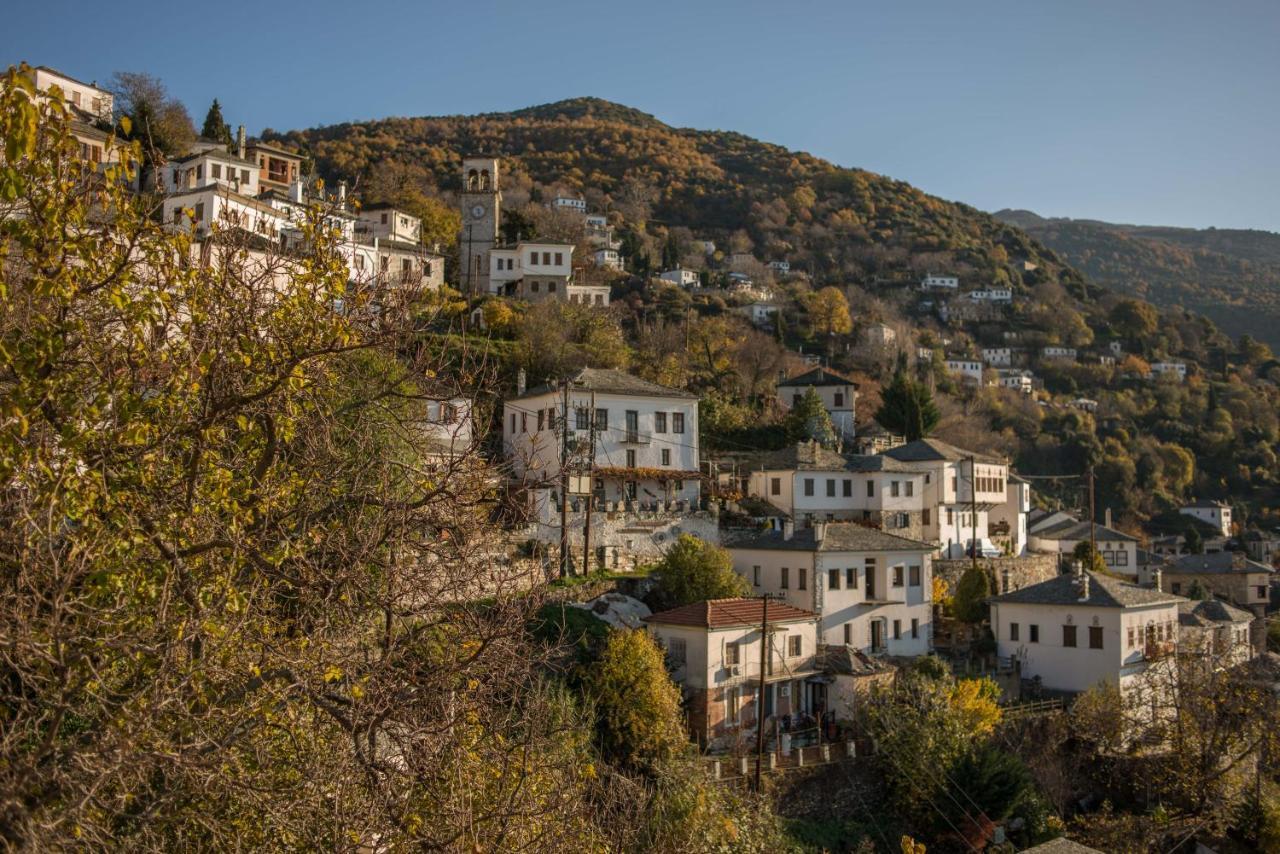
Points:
[879,335]
[1083,629]
[967,369]
[961,488]
[759,313]
[680,276]
[1084,404]
[1009,521]
[780,268]
[714,652]
[1177,370]
[85,97]
[810,483]
[646,437]
[596,222]
[1061,533]
[991,295]
[569,203]
[448,427]
[210,166]
[1058,353]
[206,205]
[1215,513]
[932,282]
[608,259]
[998,357]
[838,393]
[1023,381]
[871,590]
[533,271]
[385,222]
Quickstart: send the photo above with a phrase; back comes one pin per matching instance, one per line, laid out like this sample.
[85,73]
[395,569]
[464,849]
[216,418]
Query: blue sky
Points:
[1163,111]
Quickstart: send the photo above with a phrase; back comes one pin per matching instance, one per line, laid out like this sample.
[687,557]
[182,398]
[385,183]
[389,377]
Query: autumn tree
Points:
[637,704]
[693,570]
[1134,319]
[156,118]
[829,312]
[907,407]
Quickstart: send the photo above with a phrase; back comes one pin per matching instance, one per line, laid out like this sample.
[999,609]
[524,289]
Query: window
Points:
[582,418]
[199,211]
[666,456]
[534,286]
[839,400]
[755,576]
[911,488]
[926,516]
[631,459]
[216,170]
[914,576]
[833,579]
[559,258]
[1013,631]
[513,422]
[1033,632]
[602,419]
[897,576]
[731,707]
[950,516]
[795,399]
[795,646]
[831,487]
[801,578]
[786,578]
[384,219]
[677,422]
[808,486]
[871,488]
[1095,637]
[848,634]
[775,486]
[1177,591]
[851,578]
[847,488]
[1069,636]
[731,654]
[893,489]
[1262,591]
[551,287]
[677,651]
[546,258]
[542,415]
[524,422]
[897,629]
[659,422]
[551,419]
[915,627]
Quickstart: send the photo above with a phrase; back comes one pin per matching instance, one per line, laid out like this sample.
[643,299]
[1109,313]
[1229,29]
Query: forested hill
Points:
[838,224]
[1232,276]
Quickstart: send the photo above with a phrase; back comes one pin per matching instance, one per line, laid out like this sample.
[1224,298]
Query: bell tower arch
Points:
[481,201]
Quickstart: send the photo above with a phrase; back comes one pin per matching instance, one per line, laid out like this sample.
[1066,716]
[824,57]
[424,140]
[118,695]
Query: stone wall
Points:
[624,540]
[1009,573]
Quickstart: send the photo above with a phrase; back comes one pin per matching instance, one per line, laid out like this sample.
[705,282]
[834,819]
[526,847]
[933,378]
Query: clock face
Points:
[477,212]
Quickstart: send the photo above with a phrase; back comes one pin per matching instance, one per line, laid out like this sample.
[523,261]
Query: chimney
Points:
[240,142]
[1107,517]
[295,192]
[819,532]
[1158,578]
[788,528]
[342,192]
[522,380]
[1082,586]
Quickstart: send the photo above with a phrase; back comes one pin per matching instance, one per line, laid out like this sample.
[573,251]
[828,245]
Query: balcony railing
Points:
[777,669]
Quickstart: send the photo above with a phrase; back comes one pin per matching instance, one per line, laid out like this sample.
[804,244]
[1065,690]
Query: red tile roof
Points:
[721,613]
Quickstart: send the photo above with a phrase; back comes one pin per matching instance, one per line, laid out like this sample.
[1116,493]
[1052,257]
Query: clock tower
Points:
[481,209]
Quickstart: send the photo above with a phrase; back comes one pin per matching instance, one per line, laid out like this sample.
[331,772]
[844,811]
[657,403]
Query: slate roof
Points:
[929,450]
[609,381]
[816,377]
[1209,612]
[1218,563]
[810,456]
[1208,504]
[1073,529]
[1104,592]
[723,613]
[847,661]
[1061,845]
[839,537]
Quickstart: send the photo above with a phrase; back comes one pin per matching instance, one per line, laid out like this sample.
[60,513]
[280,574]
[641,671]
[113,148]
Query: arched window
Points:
[473,180]
[484,179]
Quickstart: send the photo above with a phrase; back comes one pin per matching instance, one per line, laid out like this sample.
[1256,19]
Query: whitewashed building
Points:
[934,283]
[780,268]
[1055,353]
[569,203]
[1060,533]
[681,277]
[839,394]
[608,259]
[1214,513]
[997,295]
[967,369]
[871,590]
[1022,381]
[997,357]
[1177,370]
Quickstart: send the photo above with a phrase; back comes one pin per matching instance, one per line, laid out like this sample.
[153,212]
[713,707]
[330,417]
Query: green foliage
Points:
[1090,558]
[997,782]
[808,421]
[931,667]
[693,570]
[688,812]
[907,407]
[969,604]
[215,127]
[577,628]
[1194,540]
[637,705]
[1197,591]
[555,338]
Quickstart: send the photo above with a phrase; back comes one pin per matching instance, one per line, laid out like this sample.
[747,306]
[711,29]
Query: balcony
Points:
[778,669]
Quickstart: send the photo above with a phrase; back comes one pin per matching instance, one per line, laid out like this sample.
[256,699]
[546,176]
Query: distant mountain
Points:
[1230,275]
[839,224]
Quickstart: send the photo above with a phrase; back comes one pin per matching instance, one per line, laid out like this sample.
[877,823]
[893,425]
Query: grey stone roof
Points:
[1215,564]
[1104,592]
[609,381]
[847,661]
[1207,503]
[817,377]
[810,456]
[1061,845]
[928,450]
[1208,612]
[839,537]
[1076,530]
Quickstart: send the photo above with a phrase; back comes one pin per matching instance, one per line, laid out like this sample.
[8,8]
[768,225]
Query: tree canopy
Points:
[908,408]
[693,570]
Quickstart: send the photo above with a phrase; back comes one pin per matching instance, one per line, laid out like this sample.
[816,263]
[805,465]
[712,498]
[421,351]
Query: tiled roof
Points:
[810,456]
[1073,529]
[609,381]
[1104,592]
[1210,611]
[722,613]
[838,537]
[817,377]
[1215,564]
[1208,504]
[926,450]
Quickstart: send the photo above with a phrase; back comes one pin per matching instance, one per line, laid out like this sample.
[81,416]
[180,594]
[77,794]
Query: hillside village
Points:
[928,466]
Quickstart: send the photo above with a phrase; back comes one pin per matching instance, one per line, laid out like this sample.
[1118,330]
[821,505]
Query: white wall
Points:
[838,400]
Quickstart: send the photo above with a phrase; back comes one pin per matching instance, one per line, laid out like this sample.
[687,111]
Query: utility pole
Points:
[1093,537]
[764,652]
[564,481]
[470,262]
[591,495]
[973,508]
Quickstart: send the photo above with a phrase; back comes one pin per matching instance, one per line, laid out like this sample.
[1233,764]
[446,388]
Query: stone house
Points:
[1231,576]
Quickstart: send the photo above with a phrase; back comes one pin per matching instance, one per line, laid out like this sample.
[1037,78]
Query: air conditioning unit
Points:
[734,670]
